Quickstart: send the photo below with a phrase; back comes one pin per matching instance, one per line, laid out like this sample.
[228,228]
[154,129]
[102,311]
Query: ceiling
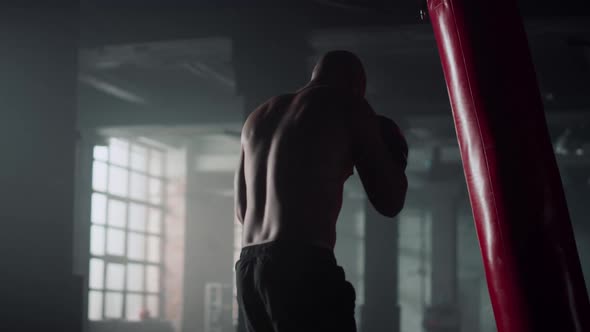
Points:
[159,65]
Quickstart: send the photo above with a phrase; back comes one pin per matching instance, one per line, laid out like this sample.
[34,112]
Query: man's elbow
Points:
[392,209]
[394,203]
[237,217]
[239,212]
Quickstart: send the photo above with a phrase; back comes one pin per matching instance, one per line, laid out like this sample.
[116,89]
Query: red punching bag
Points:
[527,244]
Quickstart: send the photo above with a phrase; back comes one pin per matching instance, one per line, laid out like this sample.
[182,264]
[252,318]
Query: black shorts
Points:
[288,287]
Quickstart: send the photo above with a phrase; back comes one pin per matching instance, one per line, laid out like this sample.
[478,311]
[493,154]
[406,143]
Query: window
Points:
[127,231]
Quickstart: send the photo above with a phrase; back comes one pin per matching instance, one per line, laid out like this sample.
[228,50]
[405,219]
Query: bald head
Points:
[342,69]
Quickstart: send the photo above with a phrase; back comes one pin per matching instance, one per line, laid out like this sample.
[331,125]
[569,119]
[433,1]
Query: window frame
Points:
[124,260]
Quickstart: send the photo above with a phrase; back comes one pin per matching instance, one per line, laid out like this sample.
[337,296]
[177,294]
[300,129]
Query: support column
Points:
[443,313]
[38,63]
[208,242]
[381,311]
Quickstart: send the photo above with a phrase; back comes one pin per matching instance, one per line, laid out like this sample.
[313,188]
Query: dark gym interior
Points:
[121,132]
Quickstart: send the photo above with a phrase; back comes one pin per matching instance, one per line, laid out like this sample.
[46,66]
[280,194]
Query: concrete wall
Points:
[37,140]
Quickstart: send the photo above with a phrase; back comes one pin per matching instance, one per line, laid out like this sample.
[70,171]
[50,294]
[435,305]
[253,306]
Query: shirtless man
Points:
[297,152]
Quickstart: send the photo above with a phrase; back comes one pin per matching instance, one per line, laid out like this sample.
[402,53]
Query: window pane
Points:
[153,279]
[94,305]
[117,213]
[155,162]
[115,276]
[154,221]
[139,158]
[115,242]
[101,153]
[97,240]
[113,305]
[138,186]
[153,305]
[96,273]
[98,208]
[136,246]
[137,217]
[134,306]
[153,249]
[99,176]
[119,152]
[118,181]
[135,275]
[155,191]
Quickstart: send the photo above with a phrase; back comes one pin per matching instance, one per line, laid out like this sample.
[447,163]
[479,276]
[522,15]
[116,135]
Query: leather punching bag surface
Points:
[526,239]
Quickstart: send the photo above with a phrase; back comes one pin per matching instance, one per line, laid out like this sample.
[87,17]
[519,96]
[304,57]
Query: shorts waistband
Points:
[291,249]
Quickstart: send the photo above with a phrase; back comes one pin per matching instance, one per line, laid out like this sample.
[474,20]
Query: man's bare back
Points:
[297,152]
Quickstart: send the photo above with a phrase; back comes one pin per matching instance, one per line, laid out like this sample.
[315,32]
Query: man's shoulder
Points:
[272,104]
[281,99]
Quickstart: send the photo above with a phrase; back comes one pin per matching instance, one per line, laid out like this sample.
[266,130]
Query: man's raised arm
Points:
[240,190]
[379,164]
